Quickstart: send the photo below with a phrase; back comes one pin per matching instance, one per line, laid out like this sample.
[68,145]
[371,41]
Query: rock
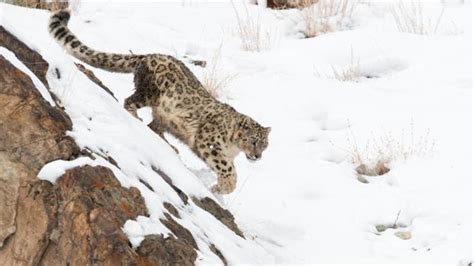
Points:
[379,169]
[92,207]
[285,4]
[216,251]
[94,78]
[168,180]
[166,251]
[10,175]
[79,221]
[362,169]
[32,133]
[362,179]
[179,231]
[171,209]
[36,212]
[221,214]
[196,62]
[381,227]
[403,235]
[201,63]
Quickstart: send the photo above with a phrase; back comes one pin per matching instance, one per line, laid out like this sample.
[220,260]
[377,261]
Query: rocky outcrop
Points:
[221,214]
[158,250]
[32,133]
[78,220]
[94,78]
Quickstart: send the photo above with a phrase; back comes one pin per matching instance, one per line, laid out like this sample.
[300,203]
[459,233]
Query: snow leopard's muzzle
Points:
[253,157]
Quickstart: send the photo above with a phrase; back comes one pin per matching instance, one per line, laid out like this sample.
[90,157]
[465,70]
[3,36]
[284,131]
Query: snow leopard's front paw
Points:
[225,186]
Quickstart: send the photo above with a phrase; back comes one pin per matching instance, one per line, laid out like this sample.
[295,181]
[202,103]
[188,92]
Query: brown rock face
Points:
[32,133]
[10,175]
[92,207]
[78,221]
[166,251]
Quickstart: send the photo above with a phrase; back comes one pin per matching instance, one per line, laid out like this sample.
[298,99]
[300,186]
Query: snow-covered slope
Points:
[303,202]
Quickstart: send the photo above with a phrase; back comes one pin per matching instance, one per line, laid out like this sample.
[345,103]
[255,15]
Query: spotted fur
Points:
[215,131]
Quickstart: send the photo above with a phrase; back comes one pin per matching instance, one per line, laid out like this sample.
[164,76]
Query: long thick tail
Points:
[108,61]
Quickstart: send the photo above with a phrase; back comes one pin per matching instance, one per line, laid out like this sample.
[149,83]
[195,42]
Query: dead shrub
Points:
[322,16]
[215,80]
[381,150]
[411,17]
[350,72]
[253,35]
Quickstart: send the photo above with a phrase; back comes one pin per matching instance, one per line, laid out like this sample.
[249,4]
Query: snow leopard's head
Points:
[252,138]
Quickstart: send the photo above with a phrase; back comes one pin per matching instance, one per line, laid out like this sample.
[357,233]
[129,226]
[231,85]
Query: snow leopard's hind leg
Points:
[146,90]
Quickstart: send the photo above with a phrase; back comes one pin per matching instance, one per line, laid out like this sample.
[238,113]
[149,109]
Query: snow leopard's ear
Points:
[267,130]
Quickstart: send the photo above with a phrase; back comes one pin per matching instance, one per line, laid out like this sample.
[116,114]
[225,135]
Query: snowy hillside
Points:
[363,93]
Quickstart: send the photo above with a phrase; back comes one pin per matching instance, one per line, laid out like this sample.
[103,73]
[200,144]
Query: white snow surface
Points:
[302,203]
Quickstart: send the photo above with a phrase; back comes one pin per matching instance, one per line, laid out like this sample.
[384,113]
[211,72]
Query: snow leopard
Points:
[180,105]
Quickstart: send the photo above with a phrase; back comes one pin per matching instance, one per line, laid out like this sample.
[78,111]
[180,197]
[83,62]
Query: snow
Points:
[302,202]
[134,232]
[53,170]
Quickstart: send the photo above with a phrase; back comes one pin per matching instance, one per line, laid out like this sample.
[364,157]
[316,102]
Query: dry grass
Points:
[412,18]
[214,80]
[53,5]
[381,150]
[350,72]
[253,35]
[322,16]
[398,149]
